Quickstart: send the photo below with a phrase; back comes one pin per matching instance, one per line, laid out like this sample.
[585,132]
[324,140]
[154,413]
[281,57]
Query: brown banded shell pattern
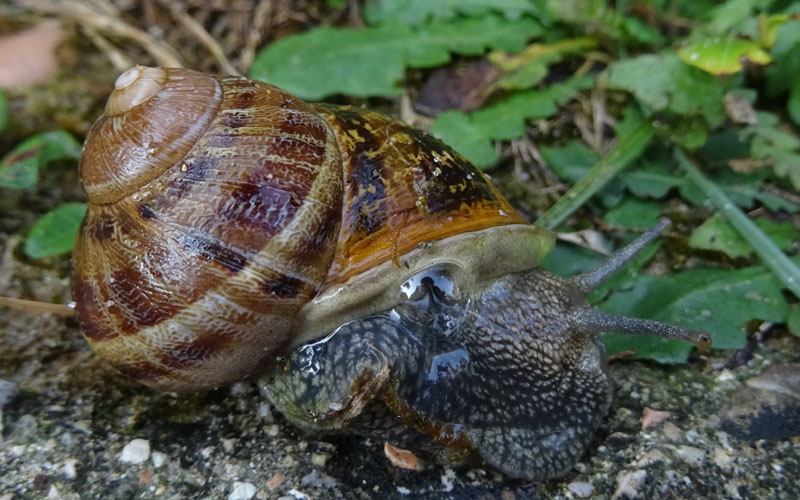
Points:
[213,211]
[218,207]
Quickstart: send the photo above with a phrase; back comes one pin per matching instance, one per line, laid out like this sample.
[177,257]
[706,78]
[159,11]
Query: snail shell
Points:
[229,221]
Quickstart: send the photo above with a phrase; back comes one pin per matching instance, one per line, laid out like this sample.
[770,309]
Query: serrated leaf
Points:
[717,301]
[780,146]
[55,232]
[472,134]
[19,169]
[371,61]
[723,56]
[416,12]
[3,111]
[664,82]
[717,234]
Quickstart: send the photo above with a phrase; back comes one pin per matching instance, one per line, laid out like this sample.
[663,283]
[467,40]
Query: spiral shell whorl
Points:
[153,117]
[193,280]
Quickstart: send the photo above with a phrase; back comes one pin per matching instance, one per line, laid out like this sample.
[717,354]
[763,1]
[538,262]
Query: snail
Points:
[380,280]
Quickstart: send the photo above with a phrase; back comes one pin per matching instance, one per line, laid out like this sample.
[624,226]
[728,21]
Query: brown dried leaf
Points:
[399,457]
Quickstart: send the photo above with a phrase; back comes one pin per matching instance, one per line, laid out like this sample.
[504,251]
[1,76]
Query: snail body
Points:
[376,274]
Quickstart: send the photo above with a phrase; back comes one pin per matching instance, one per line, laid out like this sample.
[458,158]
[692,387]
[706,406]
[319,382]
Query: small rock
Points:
[273,430]
[652,457]
[26,426]
[651,417]
[319,459]
[767,407]
[135,452]
[672,432]
[721,458]
[581,490]
[691,455]
[157,459]
[68,468]
[317,479]
[448,479]
[242,491]
[619,440]
[629,485]
[7,392]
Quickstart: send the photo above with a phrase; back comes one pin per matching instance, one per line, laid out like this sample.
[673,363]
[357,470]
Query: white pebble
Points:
[135,452]
[68,469]
[691,455]
[581,490]
[242,491]
[158,459]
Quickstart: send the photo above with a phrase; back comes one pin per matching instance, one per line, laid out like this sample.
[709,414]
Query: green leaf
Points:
[728,15]
[571,161]
[458,130]
[717,301]
[634,213]
[723,56]
[597,16]
[3,111]
[55,232]
[663,82]
[717,234]
[416,12]
[794,102]
[778,145]
[19,169]
[371,61]
[472,134]
[793,319]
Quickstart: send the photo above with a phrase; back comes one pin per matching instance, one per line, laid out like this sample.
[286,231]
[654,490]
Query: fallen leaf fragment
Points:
[399,457]
[28,57]
[276,481]
[651,418]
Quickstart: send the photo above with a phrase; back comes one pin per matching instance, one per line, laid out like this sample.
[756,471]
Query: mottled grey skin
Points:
[512,371]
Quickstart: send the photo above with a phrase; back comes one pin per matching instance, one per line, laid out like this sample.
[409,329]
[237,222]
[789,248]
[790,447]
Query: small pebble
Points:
[68,468]
[7,392]
[652,457]
[135,452]
[157,458]
[672,432]
[691,455]
[580,489]
[276,481]
[242,491]
[448,479]
[629,485]
[319,459]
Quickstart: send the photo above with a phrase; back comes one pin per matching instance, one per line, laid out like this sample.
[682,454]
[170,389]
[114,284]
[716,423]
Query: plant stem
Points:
[764,247]
[626,150]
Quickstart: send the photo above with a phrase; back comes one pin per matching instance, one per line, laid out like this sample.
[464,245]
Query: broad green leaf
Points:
[3,111]
[634,213]
[19,169]
[416,12]
[664,82]
[55,232]
[571,161]
[717,234]
[728,15]
[723,56]
[458,131]
[371,61]
[472,134]
[567,259]
[715,300]
[793,319]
